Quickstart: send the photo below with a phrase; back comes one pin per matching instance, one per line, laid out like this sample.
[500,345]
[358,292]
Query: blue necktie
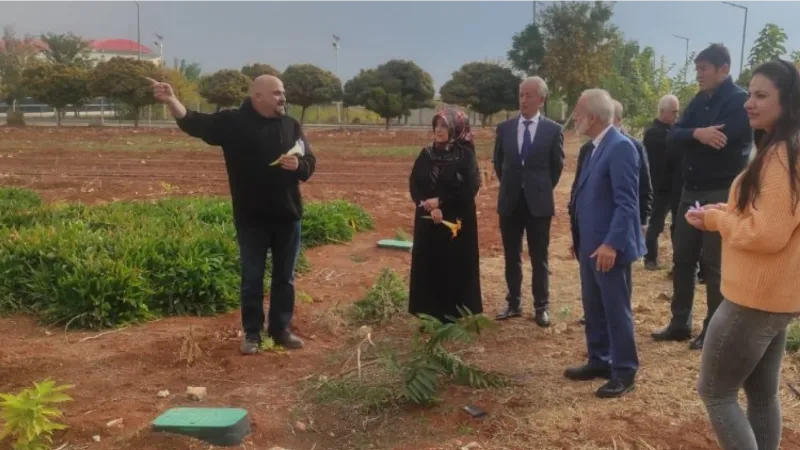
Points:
[526,140]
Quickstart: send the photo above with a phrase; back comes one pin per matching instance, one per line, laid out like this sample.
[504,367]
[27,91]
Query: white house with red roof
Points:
[105,49]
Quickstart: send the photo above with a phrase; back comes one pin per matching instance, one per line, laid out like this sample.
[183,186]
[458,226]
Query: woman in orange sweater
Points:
[760,229]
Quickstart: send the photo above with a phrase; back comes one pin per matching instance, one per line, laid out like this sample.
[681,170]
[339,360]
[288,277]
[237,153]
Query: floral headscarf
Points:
[457,125]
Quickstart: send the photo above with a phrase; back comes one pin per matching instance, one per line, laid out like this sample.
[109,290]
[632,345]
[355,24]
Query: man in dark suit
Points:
[645,186]
[666,175]
[528,160]
[607,215]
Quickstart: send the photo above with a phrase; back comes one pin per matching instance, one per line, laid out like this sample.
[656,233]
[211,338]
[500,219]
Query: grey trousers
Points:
[744,348]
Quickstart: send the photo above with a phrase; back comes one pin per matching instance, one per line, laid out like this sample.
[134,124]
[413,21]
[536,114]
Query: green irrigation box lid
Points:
[395,244]
[217,426]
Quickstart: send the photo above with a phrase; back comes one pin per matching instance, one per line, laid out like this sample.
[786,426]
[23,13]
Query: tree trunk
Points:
[219,108]
[58,117]
[405,119]
[388,119]
[303,114]
[138,110]
[483,120]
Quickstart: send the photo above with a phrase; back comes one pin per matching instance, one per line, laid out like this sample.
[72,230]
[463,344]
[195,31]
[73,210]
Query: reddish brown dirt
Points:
[117,375]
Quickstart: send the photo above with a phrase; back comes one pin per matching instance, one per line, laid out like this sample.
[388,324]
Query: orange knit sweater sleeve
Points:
[767,227]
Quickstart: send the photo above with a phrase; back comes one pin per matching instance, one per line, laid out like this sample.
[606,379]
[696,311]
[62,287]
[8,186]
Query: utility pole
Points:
[336,40]
[160,43]
[138,31]
[686,58]
[744,33]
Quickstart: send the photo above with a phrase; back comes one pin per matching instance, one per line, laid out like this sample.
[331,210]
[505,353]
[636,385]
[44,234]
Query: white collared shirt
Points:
[598,139]
[521,129]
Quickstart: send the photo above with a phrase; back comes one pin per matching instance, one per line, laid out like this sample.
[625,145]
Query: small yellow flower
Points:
[454,227]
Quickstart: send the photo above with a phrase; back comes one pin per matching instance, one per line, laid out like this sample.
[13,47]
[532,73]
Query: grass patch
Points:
[108,265]
[793,337]
[401,235]
[387,297]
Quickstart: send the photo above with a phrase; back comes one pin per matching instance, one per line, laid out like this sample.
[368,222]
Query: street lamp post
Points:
[686,58]
[744,32]
[336,40]
[138,28]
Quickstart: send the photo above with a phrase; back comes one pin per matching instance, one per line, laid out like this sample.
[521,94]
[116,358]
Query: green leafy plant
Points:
[431,361]
[387,296]
[125,262]
[416,375]
[27,416]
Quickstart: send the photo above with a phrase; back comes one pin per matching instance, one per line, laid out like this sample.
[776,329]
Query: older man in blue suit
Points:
[611,240]
[528,160]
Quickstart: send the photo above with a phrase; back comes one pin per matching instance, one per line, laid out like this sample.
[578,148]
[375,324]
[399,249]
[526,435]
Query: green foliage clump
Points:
[793,338]
[415,374]
[27,416]
[124,262]
[335,221]
[387,296]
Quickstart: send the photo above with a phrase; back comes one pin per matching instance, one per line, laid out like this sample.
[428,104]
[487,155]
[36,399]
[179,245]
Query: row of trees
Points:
[573,46]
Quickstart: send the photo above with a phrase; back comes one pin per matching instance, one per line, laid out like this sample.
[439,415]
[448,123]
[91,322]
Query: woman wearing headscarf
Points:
[445,273]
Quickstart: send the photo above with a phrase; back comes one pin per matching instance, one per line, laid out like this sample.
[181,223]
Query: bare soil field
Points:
[118,374]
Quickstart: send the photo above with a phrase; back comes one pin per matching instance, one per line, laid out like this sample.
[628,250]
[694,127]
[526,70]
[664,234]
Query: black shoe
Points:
[508,313]
[542,319]
[582,320]
[250,346]
[287,340]
[651,265]
[697,343]
[587,373]
[617,387]
[672,334]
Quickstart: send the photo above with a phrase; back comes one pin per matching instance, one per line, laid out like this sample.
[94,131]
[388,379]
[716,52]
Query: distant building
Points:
[104,49]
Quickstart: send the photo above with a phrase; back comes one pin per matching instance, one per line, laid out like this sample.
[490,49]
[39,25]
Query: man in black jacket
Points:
[267,206]
[645,185]
[716,138]
[665,171]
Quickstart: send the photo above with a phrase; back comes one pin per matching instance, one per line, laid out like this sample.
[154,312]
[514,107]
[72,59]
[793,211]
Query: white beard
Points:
[581,128]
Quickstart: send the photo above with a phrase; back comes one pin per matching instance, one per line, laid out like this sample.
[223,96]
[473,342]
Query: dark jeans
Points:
[688,246]
[665,202]
[283,241]
[744,348]
[537,230]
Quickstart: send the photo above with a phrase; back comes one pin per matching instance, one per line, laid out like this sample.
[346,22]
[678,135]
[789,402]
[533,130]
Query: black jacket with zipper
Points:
[260,193]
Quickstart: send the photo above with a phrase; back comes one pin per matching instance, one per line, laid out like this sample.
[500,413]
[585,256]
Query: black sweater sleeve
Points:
[211,128]
[416,190]
[308,163]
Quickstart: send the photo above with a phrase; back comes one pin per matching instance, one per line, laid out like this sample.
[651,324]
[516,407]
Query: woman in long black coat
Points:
[445,269]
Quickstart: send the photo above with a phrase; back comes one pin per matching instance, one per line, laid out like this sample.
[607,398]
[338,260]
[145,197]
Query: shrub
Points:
[387,296]
[27,415]
[107,265]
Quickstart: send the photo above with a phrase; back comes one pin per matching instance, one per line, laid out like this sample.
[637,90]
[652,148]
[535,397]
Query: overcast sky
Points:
[439,36]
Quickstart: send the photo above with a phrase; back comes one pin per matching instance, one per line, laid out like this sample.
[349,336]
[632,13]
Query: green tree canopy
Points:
[256,70]
[225,88]
[482,87]
[124,80]
[57,85]
[391,90]
[307,85]
[768,46]
[190,71]
[527,50]
[19,54]
[67,49]
[579,37]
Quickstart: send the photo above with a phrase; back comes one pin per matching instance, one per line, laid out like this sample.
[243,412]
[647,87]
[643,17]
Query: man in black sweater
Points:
[665,171]
[716,139]
[267,206]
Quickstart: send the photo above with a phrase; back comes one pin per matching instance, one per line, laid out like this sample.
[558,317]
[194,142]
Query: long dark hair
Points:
[786,130]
